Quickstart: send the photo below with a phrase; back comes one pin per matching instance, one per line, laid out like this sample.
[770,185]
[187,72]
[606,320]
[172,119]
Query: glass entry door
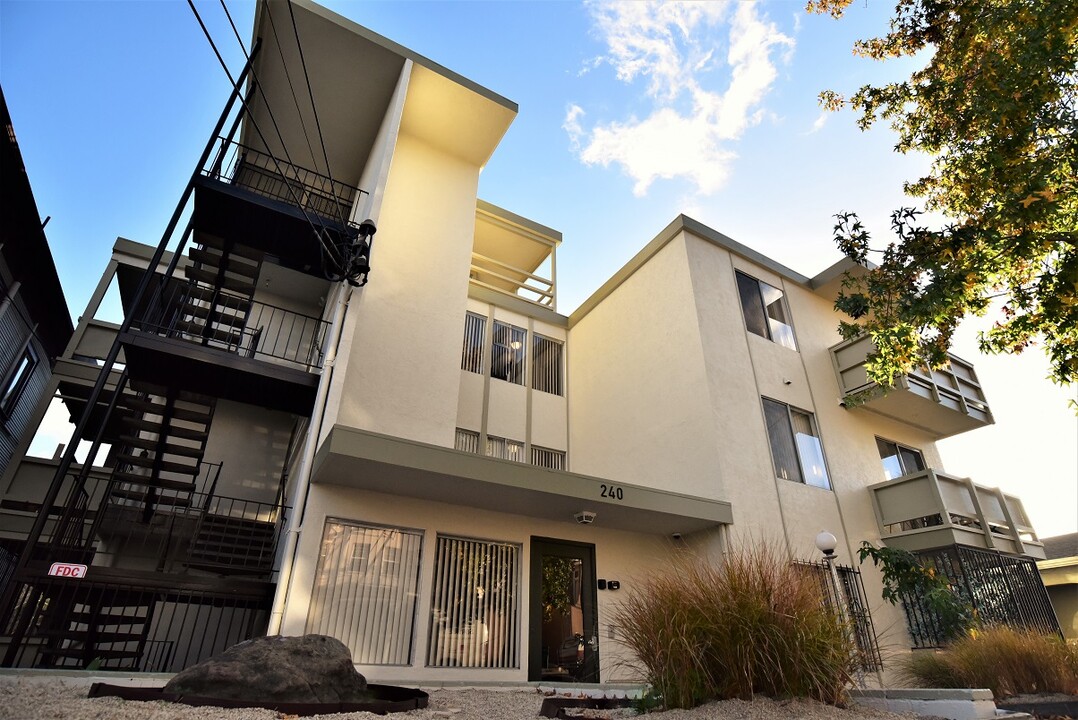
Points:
[564,638]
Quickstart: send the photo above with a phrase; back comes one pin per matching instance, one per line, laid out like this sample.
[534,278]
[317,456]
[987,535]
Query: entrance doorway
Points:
[564,634]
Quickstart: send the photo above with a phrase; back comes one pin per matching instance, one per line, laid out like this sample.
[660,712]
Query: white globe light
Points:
[826,543]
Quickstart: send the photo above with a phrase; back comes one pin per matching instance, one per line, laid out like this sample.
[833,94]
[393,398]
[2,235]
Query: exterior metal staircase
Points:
[107,627]
[162,456]
[218,298]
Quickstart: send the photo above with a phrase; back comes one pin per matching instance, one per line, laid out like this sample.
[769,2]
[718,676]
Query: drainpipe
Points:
[303,477]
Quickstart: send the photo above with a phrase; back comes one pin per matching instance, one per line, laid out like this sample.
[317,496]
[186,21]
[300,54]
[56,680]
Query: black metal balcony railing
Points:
[277,179]
[235,324]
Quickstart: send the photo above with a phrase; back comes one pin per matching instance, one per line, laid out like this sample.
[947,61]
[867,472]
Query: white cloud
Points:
[821,120]
[676,47]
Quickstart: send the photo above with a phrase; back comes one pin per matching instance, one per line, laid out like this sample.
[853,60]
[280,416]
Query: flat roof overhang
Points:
[369,461]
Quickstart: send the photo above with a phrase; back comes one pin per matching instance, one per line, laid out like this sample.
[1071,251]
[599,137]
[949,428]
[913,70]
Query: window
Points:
[475,605]
[765,311]
[507,353]
[505,449]
[795,445]
[546,365]
[467,440]
[365,591]
[18,377]
[547,458]
[471,357]
[899,460]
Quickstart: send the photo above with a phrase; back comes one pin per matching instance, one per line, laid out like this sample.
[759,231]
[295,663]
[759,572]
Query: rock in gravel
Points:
[306,669]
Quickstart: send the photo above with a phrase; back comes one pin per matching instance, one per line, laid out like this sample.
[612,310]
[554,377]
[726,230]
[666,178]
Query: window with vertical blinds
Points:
[475,605]
[467,440]
[507,353]
[545,457]
[505,449]
[546,365]
[471,357]
[365,591]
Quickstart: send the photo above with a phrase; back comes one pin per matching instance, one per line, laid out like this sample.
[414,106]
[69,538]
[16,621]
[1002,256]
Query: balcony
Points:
[944,402]
[510,255]
[263,202]
[931,509]
[219,343]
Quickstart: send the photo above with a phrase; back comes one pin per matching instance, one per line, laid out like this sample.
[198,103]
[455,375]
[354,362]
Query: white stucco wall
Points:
[403,375]
[636,370]
[619,555]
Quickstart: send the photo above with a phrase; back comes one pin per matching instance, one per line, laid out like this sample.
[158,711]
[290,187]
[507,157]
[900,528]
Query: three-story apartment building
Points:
[347,404]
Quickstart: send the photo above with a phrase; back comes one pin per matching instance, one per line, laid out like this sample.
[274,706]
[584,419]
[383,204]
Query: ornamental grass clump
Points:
[752,624]
[1006,660]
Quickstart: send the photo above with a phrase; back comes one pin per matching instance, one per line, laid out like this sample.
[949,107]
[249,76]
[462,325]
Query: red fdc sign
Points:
[68,570]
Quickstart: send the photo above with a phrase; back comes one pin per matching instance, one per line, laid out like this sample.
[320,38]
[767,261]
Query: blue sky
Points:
[629,114]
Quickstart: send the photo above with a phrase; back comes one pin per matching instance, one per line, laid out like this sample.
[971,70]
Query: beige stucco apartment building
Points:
[431,462]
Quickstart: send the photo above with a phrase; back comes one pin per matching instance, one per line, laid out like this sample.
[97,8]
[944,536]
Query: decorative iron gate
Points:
[1002,589]
[856,605]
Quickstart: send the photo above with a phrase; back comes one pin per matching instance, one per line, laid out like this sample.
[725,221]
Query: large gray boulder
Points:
[307,669]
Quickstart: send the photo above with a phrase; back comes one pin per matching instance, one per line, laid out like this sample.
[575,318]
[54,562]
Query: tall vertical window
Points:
[18,376]
[546,365]
[471,356]
[765,311]
[507,353]
[365,591]
[795,445]
[475,605]
[899,460]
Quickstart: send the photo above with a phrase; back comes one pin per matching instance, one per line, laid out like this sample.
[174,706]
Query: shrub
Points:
[753,624]
[1003,659]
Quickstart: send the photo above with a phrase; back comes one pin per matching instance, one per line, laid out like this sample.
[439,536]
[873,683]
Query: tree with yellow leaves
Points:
[995,106]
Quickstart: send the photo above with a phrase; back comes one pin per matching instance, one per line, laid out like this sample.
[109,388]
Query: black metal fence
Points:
[854,601]
[138,627]
[235,324]
[277,179]
[1001,589]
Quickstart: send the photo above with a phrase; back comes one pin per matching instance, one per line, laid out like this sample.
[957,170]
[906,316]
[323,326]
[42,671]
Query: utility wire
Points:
[288,76]
[318,231]
[318,126]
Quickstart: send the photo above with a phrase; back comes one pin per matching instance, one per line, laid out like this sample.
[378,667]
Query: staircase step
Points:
[168,448]
[161,483]
[179,413]
[97,653]
[212,241]
[174,431]
[97,637]
[229,283]
[140,495]
[107,618]
[225,568]
[229,337]
[207,294]
[162,465]
[222,312]
[214,259]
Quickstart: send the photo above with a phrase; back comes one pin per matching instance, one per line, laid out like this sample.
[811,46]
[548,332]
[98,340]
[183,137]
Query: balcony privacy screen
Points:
[365,591]
[475,605]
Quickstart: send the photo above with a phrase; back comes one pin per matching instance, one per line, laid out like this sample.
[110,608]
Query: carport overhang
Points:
[379,463]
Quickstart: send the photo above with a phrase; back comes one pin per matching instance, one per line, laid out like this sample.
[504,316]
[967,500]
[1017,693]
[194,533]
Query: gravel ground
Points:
[22,699]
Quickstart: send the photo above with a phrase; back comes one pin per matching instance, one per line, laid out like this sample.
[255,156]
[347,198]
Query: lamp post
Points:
[826,543]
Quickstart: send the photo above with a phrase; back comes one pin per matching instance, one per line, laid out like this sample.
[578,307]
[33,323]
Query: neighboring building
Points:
[34,322]
[438,468]
[1059,570]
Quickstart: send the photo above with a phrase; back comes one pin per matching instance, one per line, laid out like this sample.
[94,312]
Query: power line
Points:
[318,231]
[318,126]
